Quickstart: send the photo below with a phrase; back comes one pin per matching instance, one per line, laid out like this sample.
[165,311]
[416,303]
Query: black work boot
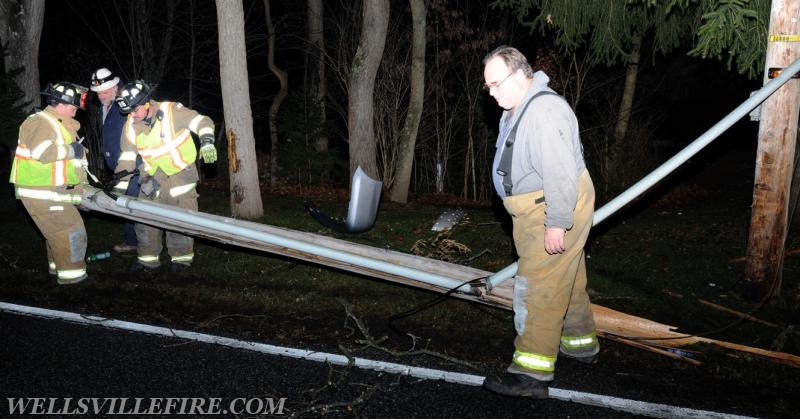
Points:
[517,385]
[140,267]
[591,359]
[582,358]
[178,267]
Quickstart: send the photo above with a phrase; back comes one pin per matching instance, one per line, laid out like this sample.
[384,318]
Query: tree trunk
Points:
[166,38]
[245,191]
[20,32]
[192,45]
[361,87]
[408,139]
[316,66]
[628,93]
[276,101]
[777,137]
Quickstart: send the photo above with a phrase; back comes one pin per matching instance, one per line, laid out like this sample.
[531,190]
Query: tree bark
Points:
[166,38]
[20,32]
[628,93]
[408,138]
[316,66]
[361,87]
[276,101]
[777,137]
[245,191]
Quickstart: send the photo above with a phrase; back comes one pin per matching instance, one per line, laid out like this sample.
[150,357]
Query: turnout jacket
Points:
[45,166]
[165,142]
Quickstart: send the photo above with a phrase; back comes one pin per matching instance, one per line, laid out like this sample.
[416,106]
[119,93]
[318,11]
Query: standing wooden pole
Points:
[777,136]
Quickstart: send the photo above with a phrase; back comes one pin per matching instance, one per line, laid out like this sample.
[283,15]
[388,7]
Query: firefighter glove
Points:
[207,150]
[77,149]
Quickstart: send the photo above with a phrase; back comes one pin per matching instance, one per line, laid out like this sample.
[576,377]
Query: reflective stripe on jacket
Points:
[27,170]
[163,148]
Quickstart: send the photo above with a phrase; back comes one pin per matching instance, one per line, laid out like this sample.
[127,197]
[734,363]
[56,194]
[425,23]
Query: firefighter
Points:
[540,173]
[48,171]
[161,133]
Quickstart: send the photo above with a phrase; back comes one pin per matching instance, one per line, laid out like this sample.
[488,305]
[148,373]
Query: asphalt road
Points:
[56,359]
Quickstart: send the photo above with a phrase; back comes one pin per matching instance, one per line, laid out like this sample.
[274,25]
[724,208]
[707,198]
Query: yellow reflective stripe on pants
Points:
[185,259]
[579,342]
[47,195]
[149,260]
[546,364]
[71,273]
[180,190]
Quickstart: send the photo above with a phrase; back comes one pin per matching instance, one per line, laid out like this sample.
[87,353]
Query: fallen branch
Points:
[647,347]
[737,313]
[329,407]
[371,342]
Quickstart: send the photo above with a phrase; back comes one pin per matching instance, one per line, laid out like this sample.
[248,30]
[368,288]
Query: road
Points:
[102,367]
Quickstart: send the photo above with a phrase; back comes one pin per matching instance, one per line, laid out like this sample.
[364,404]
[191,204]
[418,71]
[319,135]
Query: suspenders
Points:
[504,167]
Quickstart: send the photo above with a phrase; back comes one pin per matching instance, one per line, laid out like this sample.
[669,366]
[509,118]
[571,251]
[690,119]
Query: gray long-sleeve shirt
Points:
[548,154]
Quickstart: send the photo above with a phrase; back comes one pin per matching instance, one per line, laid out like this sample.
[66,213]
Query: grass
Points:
[661,258]
[657,260]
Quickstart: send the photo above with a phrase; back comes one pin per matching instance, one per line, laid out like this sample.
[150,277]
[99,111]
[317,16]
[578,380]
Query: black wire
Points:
[426,305]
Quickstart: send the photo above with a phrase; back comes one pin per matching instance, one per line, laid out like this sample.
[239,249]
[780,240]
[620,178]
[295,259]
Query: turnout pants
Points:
[173,190]
[552,310]
[64,235]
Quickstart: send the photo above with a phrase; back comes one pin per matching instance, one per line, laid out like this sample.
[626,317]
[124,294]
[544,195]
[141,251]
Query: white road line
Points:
[616,403]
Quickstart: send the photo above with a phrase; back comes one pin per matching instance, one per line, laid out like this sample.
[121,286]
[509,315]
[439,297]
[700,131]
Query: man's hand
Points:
[554,240]
[207,150]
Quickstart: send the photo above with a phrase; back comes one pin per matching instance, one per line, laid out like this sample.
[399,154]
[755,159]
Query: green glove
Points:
[208,153]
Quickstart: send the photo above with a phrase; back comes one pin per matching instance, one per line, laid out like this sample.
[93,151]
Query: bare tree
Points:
[408,139]
[20,32]
[276,101]
[245,191]
[361,86]
[315,83]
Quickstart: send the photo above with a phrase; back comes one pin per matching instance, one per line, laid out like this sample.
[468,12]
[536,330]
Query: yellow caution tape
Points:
[784,38]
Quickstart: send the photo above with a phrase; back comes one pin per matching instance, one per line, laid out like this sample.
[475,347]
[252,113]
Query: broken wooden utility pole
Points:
[777,136]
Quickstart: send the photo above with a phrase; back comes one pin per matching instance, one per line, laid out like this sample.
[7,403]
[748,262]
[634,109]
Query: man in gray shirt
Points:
[540,174]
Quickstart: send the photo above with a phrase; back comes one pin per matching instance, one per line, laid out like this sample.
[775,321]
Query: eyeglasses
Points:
[488,87]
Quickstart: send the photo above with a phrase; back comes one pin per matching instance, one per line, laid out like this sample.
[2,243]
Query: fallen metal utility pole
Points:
[420,272]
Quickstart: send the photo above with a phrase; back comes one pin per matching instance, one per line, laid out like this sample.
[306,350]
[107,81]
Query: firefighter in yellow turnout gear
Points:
[47,173]
[161,133]
[540,173]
